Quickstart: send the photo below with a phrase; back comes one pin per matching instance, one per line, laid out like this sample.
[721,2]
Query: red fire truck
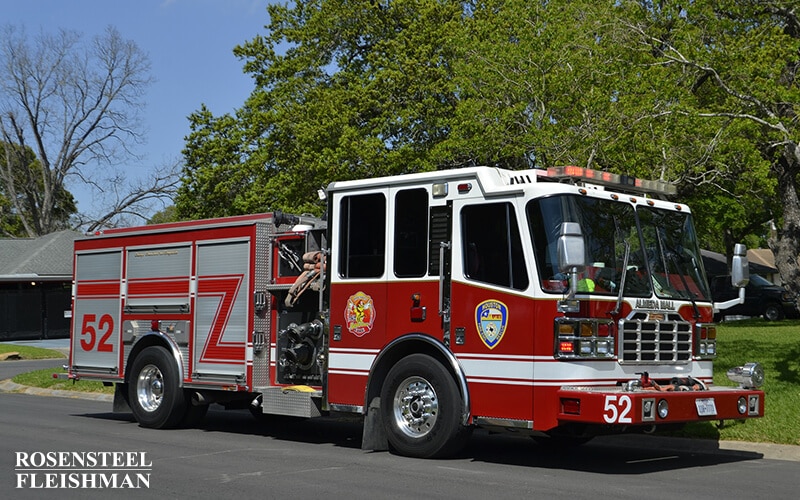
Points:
[560,303]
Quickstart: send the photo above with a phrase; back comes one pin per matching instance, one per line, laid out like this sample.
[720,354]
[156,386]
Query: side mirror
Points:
[572,260]
[571,250]
[740,268]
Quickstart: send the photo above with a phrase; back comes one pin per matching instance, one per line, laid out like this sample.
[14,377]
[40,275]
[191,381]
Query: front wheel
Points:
[421,408]
[154,392]
[773,312]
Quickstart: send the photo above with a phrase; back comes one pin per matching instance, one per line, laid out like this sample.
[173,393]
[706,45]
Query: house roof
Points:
[762,256]
[47,258]
[717,264]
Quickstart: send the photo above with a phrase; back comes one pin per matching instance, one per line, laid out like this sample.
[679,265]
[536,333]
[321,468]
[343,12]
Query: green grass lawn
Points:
[27,352]
[776,345]
[44,378]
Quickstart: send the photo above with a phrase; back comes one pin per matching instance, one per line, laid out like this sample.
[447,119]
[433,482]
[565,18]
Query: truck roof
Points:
[493,180]
[235,220]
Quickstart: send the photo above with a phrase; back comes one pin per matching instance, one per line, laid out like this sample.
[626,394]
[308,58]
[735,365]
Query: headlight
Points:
[749,376]
[584,338]
[742,405]
[663,408]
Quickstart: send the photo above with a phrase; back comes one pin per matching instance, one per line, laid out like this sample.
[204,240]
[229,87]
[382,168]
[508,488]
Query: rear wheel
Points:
[421,408]
[154,392]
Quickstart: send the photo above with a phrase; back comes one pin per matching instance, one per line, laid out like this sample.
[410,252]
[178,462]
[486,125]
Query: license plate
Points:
[706,407]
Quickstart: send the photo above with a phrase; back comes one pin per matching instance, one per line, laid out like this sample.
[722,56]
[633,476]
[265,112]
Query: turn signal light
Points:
[571,406]
[584,338]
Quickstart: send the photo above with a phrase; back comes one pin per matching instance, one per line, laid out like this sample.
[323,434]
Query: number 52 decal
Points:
[91,328]
[617,410]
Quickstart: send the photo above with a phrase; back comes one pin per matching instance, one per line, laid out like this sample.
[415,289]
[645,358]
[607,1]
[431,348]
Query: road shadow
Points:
[607,455]
[616,455]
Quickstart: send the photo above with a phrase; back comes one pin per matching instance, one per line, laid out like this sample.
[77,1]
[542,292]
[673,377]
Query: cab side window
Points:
[362,243]
[411,233]
[492,248]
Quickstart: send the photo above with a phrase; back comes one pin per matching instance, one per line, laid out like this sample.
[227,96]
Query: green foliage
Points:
[18,198]
[364,89]
[728,69]
[700,94]
[169,214]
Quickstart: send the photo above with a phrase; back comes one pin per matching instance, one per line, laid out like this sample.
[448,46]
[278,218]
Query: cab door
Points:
[491,310]
[358,291]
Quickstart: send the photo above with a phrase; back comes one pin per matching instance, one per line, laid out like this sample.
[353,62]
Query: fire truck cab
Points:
[563,302]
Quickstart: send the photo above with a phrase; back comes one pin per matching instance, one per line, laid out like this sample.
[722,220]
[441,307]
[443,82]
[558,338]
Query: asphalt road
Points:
[233,455]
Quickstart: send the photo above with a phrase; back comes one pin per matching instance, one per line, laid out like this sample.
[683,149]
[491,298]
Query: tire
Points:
[773,312]
[421,409]
[154,394]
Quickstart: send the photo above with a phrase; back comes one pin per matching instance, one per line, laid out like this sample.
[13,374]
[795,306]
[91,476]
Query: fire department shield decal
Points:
[491,318]
[359,314]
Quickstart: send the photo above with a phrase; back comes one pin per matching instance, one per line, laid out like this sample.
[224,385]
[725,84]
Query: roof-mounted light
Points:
[621,182]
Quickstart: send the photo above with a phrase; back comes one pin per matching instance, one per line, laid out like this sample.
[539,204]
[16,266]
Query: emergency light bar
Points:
[622,182]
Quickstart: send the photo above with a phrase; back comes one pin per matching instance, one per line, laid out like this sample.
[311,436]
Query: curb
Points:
[9,386]
[742,449]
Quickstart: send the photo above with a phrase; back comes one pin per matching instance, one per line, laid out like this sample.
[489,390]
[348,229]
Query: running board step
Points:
[293,401]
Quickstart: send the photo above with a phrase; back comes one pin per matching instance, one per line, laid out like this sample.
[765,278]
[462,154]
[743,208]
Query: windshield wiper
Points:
[663,255]
[686,290]
[624,276]
[625,259]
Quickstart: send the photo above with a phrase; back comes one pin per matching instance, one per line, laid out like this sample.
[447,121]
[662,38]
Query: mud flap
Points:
[374,436]
[121,399]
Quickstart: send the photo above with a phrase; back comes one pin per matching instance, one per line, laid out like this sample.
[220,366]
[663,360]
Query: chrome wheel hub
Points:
[415,407]
[150,388]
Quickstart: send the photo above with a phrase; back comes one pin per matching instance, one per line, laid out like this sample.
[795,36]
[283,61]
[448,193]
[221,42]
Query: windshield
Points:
[662,257]
[759,281]
[673,254]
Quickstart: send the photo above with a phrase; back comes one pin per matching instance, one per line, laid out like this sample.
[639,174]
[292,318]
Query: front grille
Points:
[655,338]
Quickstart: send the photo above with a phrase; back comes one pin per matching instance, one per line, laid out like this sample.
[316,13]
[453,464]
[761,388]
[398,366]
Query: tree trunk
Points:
[785,245]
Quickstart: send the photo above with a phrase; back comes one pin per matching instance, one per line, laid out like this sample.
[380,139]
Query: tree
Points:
[733,66]
[75,106]
[700,94]
[364,89]
[168,214]
[21,165]
[554,83]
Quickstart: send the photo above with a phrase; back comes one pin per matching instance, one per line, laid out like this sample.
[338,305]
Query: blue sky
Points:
[190,44]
